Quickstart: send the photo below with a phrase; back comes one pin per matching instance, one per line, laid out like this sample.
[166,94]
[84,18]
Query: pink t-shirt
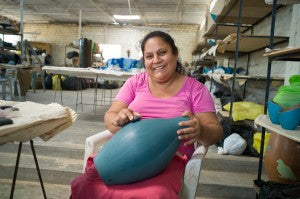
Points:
[193,96]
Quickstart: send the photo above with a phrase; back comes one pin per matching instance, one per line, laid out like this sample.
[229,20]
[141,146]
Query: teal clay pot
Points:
[273,111]
[290,118]
[138,151]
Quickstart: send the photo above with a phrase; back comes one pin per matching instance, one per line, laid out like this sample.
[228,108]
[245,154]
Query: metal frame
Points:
[267,88]
[237,54]
[17,167]
[27,43]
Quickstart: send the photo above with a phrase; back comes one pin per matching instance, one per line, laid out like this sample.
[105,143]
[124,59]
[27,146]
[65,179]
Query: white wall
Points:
[293,67]
[59,35]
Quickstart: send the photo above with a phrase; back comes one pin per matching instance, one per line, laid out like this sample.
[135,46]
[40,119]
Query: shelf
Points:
[250,43]
[226,77]
[223,30]
[206,63]
[253,11]
[9,66]
[248,77]
[8,31]
[247,44]
[283,2]
[200,46]
[264,121]
[284,54]
[9,48]
[225,115]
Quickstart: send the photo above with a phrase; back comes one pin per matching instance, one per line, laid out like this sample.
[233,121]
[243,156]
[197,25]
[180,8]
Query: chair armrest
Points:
[192,174]
[93,143]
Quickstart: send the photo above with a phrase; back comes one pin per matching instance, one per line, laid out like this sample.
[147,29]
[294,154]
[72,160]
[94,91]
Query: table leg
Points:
[95,95]
[60,82]
[77,93]
[55,88]
[16,171]
[37,168]
[80,85]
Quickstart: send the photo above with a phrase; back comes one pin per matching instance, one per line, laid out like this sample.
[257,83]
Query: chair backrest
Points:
[192,170]
[192,174]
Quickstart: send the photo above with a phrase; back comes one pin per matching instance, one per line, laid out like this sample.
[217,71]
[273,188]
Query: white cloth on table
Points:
[34,119]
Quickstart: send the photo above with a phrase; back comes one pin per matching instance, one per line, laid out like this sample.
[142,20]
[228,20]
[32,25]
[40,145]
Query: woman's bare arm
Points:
[117,116]
[202,127]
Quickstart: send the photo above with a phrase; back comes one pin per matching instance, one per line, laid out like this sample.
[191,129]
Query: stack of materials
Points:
[32,119]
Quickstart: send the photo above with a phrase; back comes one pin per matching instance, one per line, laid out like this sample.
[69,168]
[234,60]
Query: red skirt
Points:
[166,185]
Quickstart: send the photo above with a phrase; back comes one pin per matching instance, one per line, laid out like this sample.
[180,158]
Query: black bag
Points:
[48,81]
[275,190]
[72,54]
[71,83]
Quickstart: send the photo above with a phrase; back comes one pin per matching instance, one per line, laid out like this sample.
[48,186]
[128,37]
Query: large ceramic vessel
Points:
[138,151]
[282,159]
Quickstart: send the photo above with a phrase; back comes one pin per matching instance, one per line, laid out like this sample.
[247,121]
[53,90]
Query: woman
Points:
[161,92]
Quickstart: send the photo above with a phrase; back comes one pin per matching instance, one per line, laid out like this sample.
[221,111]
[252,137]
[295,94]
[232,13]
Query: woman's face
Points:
[160,62]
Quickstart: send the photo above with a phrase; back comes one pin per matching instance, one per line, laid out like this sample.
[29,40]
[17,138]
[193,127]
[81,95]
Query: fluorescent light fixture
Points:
[129,17]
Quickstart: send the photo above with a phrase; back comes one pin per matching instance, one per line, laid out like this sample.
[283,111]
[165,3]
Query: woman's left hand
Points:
[192,131]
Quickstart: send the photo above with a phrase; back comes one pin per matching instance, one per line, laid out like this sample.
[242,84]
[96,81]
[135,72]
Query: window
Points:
[110,51]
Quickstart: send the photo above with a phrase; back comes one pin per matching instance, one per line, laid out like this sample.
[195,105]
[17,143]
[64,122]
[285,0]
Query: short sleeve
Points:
[127,92]
[202,100]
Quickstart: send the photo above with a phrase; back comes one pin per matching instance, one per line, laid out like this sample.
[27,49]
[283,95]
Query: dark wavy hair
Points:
[168,39]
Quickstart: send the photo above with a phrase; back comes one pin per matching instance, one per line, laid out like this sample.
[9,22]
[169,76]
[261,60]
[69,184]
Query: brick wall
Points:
[60,35]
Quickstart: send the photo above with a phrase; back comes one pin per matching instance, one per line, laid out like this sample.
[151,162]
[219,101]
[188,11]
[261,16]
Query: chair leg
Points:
[43,78]
[18,88]
[3,90]
[13,83]
[33,81]
[10,88]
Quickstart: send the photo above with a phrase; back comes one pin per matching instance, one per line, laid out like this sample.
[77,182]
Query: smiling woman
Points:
[160,59]
[160,92]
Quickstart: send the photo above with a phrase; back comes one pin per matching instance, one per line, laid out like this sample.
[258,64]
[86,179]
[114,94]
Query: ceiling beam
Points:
[104,12]
[28,8]
[59,4]
[129,7]
[180,11]
[137,3]
[69,6]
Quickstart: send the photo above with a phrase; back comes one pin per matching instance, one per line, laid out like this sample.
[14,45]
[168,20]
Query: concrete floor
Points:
[61,157]
[88,123]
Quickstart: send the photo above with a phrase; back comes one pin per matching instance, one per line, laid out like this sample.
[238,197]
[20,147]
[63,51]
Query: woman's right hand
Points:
[125,116]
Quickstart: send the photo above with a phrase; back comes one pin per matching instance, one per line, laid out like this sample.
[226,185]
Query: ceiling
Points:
[151,12]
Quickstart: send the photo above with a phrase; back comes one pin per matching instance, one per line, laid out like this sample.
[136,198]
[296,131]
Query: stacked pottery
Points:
[282,159]
[288,118]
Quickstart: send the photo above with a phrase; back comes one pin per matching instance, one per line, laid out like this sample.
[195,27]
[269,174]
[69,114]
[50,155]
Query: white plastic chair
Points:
[191,177]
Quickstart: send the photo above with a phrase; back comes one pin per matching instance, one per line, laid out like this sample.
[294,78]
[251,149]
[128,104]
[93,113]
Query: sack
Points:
[233,144]
[245,110]
[56,84]
[257,140]
[48,81]
[246,132]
